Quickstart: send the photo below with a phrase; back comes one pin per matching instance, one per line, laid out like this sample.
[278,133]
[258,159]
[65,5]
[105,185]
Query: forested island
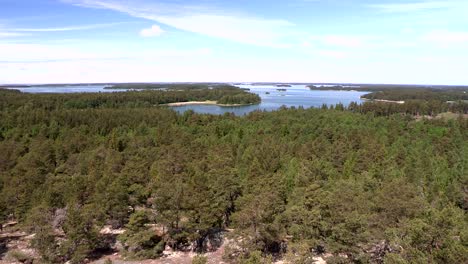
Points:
[213,93]
[403,92]
[411,99]
[169,86]
[144,97]
[88,175]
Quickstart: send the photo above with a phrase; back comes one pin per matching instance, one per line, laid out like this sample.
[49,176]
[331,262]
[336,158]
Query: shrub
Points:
[200,259]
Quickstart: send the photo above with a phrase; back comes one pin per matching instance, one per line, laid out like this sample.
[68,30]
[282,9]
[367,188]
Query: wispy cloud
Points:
[47,53]
[344,41]
[8,34]
[203,20]
[447,39]
[68,28]
[153,31]
[333,54]
[413,6]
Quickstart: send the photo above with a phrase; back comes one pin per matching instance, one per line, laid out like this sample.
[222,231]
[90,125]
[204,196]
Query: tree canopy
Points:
[360,184]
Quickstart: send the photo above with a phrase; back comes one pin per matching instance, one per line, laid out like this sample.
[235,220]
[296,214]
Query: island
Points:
[400,93]
[178,94]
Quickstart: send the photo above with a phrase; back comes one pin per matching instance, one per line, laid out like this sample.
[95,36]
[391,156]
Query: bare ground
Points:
[170,258]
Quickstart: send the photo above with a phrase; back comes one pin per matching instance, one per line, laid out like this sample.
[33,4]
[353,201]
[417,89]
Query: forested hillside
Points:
[356,185]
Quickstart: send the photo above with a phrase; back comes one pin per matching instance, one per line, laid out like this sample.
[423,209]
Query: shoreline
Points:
[382,100]
[203,103]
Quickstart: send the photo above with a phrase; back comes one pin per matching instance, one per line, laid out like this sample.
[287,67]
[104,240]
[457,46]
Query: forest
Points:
[420,94]
[171,86]
[367,183]
[404,92]
[138,98]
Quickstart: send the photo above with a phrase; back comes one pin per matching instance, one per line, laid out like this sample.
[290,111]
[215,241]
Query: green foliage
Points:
[418,100]
[139,241]
[296,182]
[420,94]
[199,259]
[81,234]
[439,236]
[44,241]
[19,256]
[255,257]
[140,98]
[243,99]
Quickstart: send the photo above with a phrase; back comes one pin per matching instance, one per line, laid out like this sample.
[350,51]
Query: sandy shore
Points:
[202,103]
[193,103]
[383,101]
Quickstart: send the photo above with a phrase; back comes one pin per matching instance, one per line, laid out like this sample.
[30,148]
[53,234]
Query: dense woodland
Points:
[170,86]
[404,92]
[420,94]
[366,184]
[131,99]
[223,94]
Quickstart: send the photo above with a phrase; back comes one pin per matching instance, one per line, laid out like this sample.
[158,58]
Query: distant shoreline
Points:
[382,100]
[203,103]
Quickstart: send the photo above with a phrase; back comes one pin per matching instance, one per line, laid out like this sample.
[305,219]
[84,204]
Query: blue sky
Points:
[360,41]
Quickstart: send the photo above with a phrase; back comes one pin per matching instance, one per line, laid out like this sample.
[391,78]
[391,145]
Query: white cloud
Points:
[333,54]
[14,53]
[153,31]
[62,63]
[69,28]
[414,6]
[8,34]
[344,41]
[203,20]
[47,53]
[447,38]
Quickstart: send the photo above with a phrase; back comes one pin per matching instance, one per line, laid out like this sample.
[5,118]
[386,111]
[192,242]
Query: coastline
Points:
[382,100]
[203,103]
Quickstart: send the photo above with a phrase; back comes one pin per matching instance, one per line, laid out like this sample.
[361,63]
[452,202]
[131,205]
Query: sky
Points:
[335,41]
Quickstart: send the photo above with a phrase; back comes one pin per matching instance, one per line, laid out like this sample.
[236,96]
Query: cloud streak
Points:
[447,39]
[202,20]
[413,7]
[43,53]
[69,28]
[8,34]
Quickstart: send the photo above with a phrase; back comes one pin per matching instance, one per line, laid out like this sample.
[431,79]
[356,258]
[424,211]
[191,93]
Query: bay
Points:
[273,97]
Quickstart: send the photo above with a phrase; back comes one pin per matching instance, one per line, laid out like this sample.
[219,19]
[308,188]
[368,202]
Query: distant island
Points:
[283,85]
[197,93]
[401,93]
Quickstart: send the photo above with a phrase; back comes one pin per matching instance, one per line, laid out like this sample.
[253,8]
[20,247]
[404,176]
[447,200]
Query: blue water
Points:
[297,95]
[67,89]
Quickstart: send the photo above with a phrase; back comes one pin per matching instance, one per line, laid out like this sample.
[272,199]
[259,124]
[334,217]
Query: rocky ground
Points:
[14,245]
[170,257]
[15,248]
